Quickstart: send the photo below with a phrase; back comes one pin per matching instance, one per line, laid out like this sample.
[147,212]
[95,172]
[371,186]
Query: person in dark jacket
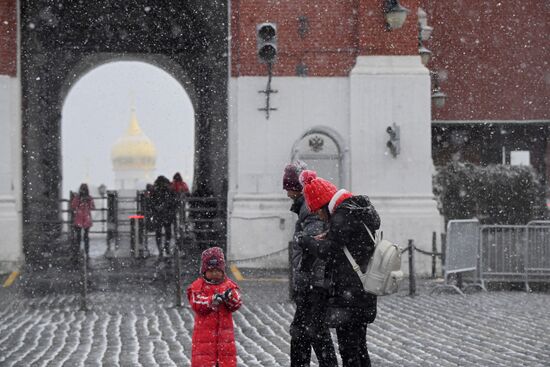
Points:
[347,215]
[308,328]
[163,208]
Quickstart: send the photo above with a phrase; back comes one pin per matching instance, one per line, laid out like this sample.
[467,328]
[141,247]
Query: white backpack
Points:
[383,273]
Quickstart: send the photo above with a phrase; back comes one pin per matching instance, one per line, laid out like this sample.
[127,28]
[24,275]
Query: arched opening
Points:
[321,150]
[124,123]
[97,113]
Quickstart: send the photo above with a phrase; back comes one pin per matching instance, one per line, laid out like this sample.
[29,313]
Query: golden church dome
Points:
[134,150]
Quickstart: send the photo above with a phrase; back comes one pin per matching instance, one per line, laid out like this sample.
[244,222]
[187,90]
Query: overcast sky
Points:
[96,113]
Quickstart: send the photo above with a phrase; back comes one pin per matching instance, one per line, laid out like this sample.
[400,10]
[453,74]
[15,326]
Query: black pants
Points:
[352,343]
[167,236]
[78,237]
[308,330]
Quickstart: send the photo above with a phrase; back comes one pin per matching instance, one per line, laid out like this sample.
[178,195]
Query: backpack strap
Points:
[354,265]
[373,238]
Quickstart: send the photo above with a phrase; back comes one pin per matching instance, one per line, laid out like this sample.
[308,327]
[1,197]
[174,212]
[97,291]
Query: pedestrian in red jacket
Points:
[82,205]
[213,297]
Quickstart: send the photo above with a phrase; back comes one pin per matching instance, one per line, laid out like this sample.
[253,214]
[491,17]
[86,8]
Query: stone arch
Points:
[60,43]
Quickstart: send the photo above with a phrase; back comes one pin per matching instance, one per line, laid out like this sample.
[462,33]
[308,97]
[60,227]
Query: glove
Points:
[217,299]
[227,294]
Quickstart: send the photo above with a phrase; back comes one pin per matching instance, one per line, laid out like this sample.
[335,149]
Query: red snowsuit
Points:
[213,337]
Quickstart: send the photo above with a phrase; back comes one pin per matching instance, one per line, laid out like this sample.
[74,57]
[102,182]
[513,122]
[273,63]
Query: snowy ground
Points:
[138,325]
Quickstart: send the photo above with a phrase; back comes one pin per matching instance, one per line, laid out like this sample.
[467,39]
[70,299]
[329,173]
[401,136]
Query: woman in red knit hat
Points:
[213,297]
[349,305]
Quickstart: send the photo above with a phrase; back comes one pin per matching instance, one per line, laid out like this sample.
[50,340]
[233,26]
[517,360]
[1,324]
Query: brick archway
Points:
[60,42]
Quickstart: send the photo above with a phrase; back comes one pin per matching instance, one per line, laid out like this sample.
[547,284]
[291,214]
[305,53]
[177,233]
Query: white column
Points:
[386,90]
[11,248]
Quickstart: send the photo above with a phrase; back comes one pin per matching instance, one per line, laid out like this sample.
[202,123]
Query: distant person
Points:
[308,328]
[178,185]
[148,208]
[82,205]
[181,190]
[163,209]
[213,297]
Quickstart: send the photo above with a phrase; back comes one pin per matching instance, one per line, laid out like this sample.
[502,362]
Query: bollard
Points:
[412,279]
[132,236]
[290,272]
[434,251]
[443,249]
[143,250]
[177,274]
[84,280]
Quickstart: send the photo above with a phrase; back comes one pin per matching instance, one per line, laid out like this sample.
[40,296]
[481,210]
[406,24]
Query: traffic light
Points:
[394,143]
[266,42]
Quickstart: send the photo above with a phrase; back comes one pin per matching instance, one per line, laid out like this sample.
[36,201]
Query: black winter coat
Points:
[346,229]
[163,205]
[307,269]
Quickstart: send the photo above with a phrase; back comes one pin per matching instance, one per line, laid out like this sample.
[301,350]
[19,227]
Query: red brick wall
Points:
[496,56]
[8,37]
[339,30]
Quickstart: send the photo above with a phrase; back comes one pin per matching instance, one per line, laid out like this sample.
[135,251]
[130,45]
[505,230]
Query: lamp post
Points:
[395,14]
[424,33]
[438,97]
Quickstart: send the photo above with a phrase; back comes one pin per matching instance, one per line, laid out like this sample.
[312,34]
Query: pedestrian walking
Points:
[308,329]
[82,205]
[213,298]
[181,190]
[350,309]
[178,185]
[163,208]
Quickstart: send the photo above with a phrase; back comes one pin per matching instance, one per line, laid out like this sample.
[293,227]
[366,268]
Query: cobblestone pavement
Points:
[140,326]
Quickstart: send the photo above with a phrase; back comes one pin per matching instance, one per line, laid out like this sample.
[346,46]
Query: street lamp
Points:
[395,14]
[425,54]
[438,97]
[425,29]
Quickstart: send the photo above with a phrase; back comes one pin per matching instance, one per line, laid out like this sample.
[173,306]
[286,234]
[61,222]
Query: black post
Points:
[177,273]
[141,236]
[443,249]
[434,251]
[74,248]
[290,272]
[412,279]
[132,236]
[84,280]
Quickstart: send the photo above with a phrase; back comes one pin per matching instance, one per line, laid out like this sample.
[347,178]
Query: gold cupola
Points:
[134,150]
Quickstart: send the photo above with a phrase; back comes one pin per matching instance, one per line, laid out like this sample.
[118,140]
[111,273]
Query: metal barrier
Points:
[499,253]
[502,249]
[461,253]
[537,252]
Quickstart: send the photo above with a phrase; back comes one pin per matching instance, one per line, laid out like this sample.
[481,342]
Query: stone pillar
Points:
[11,252]
[385,90]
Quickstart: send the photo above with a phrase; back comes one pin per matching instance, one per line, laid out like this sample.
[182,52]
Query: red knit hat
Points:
[212,258]
[317,191]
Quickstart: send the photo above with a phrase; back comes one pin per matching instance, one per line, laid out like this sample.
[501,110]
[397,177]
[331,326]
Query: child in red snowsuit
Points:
[213,297]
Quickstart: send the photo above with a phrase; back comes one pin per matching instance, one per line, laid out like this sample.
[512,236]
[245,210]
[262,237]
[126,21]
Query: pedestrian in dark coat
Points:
[163,208]
[308,329]
[82,205]
[347,215]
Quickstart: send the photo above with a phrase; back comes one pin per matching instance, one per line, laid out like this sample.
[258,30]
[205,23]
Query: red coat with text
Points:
[213,335]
